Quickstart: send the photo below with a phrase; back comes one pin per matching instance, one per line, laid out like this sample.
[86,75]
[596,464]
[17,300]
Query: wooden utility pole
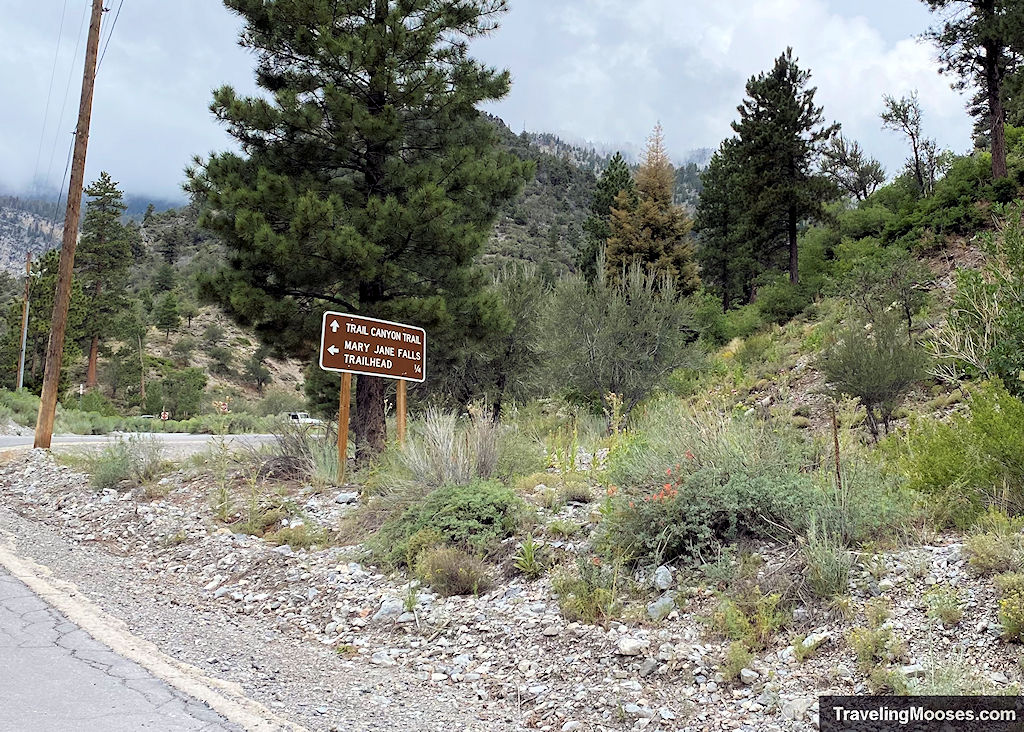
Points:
[400,412]
[24,320]
[62,299]
[344,404]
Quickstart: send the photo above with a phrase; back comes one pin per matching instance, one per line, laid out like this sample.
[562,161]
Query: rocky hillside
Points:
[25,225]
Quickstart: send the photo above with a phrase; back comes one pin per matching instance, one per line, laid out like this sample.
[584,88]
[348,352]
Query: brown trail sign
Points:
[356,345]
[352,344]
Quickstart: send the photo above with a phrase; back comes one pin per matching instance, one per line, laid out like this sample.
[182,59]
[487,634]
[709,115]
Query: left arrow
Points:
[334,350]
[335,326]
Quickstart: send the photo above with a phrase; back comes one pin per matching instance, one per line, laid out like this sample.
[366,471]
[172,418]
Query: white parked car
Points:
[302,418]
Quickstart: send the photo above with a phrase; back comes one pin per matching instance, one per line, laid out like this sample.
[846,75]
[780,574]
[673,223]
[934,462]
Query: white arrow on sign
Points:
[333,350]
[335,326]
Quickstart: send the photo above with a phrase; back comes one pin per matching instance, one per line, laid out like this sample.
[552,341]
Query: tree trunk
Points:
[993,88]
[142,372]
[370,428]
[794,270]
[90,374]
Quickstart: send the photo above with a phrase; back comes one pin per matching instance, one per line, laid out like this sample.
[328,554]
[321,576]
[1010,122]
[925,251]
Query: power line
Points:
[67,90]
[49,91]
[110,33]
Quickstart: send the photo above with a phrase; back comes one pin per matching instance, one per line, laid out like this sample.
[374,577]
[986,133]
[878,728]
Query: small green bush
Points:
[944,605]
[876,362]
[751,617]
[450,571]
[690,481]
[874,646]
[780,302]
[970,462]
[127,463]
[590,593]
[472,517]
[302,536]
[828,564]
[737,658]
[997,544]
[529,559]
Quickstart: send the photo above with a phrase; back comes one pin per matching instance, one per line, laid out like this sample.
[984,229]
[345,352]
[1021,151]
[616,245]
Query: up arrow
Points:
[333,350]
[334,326]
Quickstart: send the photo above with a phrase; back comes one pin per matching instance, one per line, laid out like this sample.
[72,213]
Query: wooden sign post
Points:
[343,407]
[352,344]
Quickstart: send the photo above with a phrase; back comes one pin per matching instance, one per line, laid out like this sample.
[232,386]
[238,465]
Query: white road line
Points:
[225,697]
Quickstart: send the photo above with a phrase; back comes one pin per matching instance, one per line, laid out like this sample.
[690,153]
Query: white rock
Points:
[663,577]
[796,708]
[389,608]
[631,646]
[749,676]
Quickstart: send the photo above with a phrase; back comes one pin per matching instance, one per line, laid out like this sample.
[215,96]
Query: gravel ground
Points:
[331,643]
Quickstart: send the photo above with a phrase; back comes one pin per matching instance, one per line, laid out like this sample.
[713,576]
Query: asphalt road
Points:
[54,676]
[178,443]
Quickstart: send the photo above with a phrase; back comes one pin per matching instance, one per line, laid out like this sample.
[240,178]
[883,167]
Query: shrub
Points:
[590,593]
[997,544]
[1011,616]
[828,563]
[781,301]
[302,536]
[982,336]
[737,658]
[874,646]
[450,571]
[131,461]
[944,605]
[529,559]
[439,450]
[971,461]
[518,455]
[738,477]
[751,617]
[741,322]
[642,313]
[575,491]
[875,362]
[93,401]
[871,503]
[888,681]
[1011,605]
[473,517]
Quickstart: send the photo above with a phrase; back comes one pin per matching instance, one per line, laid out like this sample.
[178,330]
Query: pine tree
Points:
[980,42]
[42,292]
[649,229]
[101,263]
[726,260]
[780,130]
[368,181]
[165,314]
[616,178]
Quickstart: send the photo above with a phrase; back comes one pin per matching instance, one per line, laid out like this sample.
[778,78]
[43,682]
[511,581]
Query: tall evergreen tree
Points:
[726,260]
[980,42]
[615,178]
[101,263]
[368,180]
[648,228]
[780,131]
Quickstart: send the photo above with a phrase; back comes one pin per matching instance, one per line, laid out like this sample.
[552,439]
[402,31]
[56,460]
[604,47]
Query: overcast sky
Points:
[598,70]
